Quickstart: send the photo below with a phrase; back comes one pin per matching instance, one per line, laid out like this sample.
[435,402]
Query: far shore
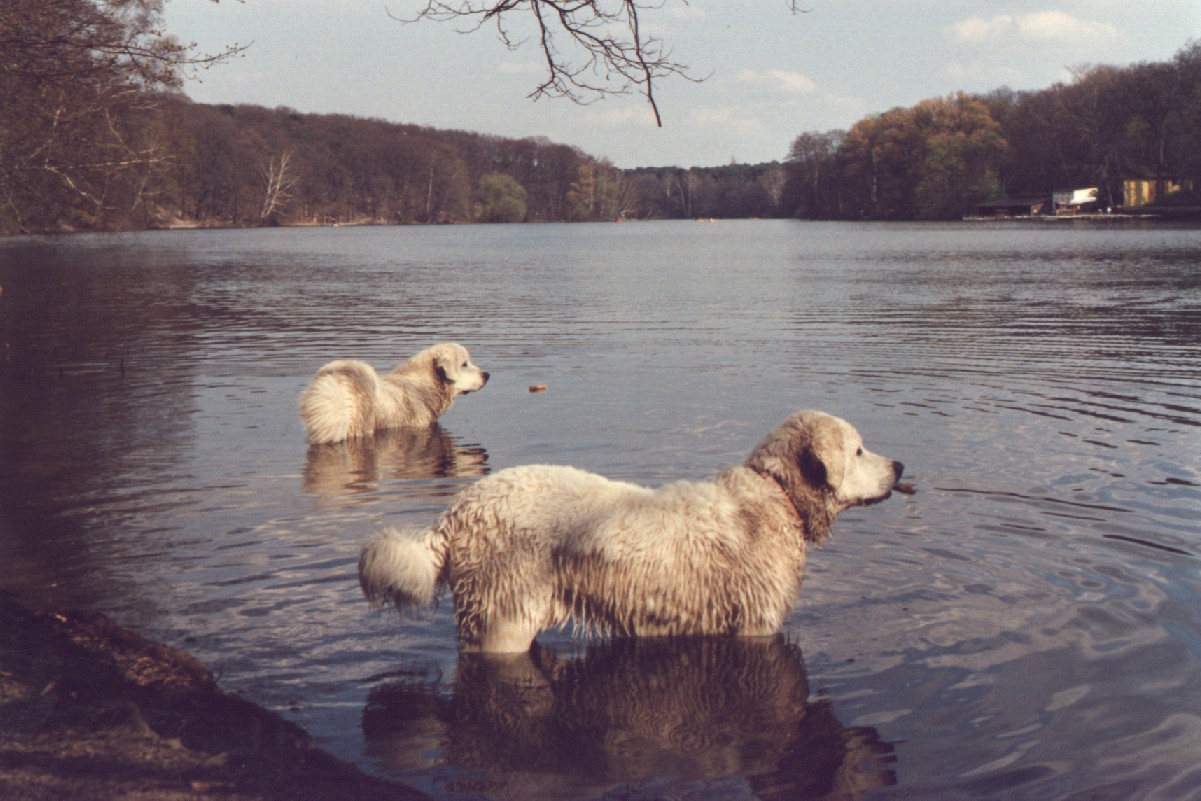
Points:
[1144,214]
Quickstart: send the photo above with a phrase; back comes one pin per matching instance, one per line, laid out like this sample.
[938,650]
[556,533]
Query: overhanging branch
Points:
[591,48]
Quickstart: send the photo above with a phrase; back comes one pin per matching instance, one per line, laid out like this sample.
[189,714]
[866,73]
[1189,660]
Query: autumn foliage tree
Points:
[963,148]
[930,161]
[940,157]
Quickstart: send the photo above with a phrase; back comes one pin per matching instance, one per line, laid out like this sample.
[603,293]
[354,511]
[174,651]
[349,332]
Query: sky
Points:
[768,74]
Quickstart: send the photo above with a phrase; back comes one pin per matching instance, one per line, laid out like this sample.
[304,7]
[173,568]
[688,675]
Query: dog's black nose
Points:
[898,468]
[488,375]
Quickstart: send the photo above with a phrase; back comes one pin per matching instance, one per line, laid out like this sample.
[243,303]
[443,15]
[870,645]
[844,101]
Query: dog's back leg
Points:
[506,637]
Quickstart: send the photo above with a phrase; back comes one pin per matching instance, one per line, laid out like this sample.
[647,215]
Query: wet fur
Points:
[541,546]
[348,399]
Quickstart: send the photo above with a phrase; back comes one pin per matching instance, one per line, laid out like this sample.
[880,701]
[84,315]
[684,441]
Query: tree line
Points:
[247,165]
[96,135]
[938,158]
[244,165]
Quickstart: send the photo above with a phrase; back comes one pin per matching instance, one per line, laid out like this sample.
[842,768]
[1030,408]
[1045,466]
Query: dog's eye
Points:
[463,365]
[859,452]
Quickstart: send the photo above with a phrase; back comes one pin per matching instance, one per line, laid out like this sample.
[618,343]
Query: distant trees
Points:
[93,136]
[963,148]
[502,198]
[248,165]
[223,165]
[1183,151]
[76,90]
[930,161]
[736,190]
[813,186]
[1106,125]
[940,157]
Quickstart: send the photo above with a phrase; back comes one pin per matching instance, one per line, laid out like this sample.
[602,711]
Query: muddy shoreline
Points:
[91,710]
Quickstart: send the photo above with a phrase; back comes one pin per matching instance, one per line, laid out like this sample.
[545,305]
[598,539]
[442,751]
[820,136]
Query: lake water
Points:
[1027,626]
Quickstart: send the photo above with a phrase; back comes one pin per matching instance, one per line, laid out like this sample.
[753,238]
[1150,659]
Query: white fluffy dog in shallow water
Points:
[348,398]
[534,547]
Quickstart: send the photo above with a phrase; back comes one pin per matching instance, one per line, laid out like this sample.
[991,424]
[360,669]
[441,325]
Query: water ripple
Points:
[1025,626]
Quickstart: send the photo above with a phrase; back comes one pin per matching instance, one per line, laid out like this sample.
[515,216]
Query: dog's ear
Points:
[445,368]
[822,460]
[813,469]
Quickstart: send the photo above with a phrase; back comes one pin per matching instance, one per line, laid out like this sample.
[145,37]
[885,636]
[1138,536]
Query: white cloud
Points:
[1041,27]
[735,119]
[978,29]
[1055,26]
[633,115]
[793,82]
[779,80]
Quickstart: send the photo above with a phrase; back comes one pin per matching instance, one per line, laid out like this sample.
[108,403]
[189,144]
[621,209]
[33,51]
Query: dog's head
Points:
[820,461]
[453,368]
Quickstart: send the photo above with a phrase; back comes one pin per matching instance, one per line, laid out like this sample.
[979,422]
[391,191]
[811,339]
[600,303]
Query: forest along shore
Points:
[91,710]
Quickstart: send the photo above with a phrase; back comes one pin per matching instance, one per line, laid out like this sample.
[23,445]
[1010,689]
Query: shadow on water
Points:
[95,407]
[700,710]
[357,466]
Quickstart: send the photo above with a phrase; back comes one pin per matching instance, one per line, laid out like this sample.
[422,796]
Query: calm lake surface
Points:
[1028,626]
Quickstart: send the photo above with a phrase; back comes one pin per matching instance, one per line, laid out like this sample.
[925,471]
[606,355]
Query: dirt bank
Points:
[89,710]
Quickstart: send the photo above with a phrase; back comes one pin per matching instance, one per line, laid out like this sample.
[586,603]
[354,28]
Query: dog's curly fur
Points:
[349,399]
[539,546]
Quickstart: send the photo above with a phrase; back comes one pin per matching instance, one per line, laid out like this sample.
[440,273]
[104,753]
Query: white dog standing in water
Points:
[348,398]
[535,547]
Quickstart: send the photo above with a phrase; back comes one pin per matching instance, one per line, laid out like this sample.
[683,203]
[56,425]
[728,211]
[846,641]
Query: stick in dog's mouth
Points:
[905,488]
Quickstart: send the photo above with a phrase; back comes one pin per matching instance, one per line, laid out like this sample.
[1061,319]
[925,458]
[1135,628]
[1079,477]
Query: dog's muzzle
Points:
[483,383]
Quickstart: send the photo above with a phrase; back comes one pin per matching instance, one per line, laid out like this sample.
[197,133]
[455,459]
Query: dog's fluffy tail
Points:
[403,567]
[339,403]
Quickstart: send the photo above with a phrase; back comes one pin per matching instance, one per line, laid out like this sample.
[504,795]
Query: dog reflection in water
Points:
[630,710]
[355,466]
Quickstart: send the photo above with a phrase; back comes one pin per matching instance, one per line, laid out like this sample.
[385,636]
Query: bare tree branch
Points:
[591,48]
